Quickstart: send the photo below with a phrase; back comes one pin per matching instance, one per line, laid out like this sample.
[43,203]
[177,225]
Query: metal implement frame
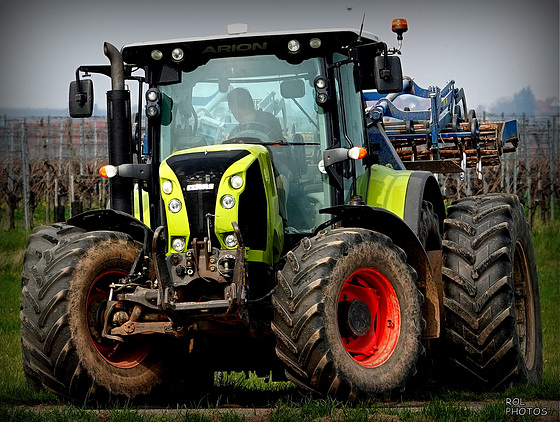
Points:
[446,137]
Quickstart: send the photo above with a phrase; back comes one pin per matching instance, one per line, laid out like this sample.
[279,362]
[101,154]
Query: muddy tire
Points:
[493,319]
[65,283]
[340,310]
[429,232]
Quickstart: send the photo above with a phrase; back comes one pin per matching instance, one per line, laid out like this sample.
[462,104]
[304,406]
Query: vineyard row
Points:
[54,162]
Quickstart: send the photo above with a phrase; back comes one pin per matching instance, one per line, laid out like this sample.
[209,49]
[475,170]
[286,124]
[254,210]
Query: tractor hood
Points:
[206,189]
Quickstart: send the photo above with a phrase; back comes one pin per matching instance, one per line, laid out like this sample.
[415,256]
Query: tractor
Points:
[273,209]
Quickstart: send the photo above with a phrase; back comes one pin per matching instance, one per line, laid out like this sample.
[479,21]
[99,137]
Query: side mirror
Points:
[388,74]
[80,98]
[292,88]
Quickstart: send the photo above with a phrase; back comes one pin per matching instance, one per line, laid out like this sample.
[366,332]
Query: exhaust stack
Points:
[119,131]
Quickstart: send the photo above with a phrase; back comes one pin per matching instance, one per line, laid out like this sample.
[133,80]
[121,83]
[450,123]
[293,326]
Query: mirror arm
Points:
[81,96]
[386,72]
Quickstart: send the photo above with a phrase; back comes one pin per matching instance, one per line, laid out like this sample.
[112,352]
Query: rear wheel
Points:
[348,315]
[491,296]
[65,287]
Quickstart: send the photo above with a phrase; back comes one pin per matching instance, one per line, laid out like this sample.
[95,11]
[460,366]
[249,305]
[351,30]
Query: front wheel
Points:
[348,315]
[65,288]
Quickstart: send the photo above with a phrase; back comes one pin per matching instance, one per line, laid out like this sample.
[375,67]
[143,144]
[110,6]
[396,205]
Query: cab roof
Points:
[198,50]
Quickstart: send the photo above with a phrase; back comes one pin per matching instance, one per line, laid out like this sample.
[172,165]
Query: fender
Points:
[422,186]
[385,222]
[113,220]
[402,192]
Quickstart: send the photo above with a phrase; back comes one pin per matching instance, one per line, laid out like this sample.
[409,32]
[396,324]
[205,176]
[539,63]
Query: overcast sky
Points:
[490,48]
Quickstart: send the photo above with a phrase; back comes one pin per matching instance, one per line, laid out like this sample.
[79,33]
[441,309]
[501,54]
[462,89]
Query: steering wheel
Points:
[203,111]
[251,130]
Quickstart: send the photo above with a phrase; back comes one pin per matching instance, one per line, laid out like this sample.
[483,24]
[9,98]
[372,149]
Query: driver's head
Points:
[241,105]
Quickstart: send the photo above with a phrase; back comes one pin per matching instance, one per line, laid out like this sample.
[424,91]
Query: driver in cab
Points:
[243,109]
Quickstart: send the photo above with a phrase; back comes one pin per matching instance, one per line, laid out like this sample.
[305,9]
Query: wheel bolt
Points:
[129,327]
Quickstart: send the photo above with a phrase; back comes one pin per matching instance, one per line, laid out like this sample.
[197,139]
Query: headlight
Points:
[322,98]
[236,181]
[177,54]
[175,206]
[321,90]
[293,46]
[178,244]
[167,187]
[227,202]
[315,43]
[230,240]
[152,95]
[152,111]
[320,82]
[156,54]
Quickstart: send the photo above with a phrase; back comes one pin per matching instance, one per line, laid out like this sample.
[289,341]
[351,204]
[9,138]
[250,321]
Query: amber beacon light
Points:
[399,26]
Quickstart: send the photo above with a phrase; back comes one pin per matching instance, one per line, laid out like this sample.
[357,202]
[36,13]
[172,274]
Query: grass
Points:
[546,239]
[441,404]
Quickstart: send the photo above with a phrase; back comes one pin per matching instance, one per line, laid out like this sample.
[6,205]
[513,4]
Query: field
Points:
[280,401]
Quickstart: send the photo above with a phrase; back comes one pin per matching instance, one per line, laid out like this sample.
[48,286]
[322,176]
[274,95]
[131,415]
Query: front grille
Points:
[199,174]
[200,202]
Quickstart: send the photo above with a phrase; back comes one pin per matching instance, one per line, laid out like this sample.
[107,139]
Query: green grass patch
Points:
[13,389]
[546,240]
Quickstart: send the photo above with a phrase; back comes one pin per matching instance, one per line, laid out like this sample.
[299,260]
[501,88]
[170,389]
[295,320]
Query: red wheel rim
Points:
[369,317]
[126,354]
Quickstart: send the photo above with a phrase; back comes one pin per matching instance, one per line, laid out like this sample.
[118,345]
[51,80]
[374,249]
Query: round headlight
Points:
[152,95]
[230,241]
[227,202]
[294,46]
[177,54]
[167,187]
[236,181]
[152,111]
[322,98]
[178,244]
[157,55]
[174,206]
[320,83]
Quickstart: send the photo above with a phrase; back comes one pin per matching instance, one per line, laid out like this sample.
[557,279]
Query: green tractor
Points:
[273,210]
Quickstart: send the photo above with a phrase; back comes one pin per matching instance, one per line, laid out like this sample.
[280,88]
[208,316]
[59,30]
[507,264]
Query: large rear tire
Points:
[348,315]
[65,286]
[493,319]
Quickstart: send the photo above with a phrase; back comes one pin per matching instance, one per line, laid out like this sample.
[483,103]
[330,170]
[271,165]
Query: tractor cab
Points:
[291,95]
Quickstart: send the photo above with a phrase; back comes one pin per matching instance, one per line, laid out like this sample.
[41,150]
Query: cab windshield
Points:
[262,100]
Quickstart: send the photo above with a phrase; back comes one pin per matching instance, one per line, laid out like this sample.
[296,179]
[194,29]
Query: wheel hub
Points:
[357,318]
[369,317]
[120,355]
